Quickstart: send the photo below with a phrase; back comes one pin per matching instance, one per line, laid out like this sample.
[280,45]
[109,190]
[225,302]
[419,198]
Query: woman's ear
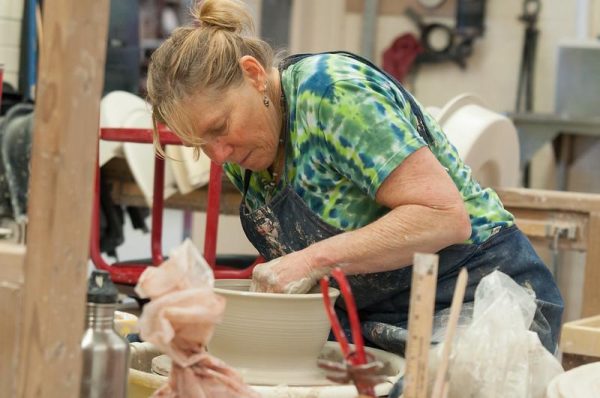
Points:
[254,72]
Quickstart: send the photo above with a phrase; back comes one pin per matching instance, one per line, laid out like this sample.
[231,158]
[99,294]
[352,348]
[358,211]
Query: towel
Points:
[180,320]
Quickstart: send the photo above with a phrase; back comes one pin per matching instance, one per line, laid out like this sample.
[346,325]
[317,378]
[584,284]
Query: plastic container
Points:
[580,342]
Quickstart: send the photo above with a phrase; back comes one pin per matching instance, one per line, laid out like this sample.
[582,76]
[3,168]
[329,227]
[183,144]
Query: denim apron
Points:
[285,224]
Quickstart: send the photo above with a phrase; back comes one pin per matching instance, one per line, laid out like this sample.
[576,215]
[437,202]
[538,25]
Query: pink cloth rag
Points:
[180,320]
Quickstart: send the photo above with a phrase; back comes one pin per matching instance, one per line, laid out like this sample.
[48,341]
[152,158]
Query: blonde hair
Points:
[201,58]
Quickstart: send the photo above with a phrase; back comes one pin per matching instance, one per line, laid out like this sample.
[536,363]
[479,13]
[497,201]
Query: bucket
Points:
[141,383]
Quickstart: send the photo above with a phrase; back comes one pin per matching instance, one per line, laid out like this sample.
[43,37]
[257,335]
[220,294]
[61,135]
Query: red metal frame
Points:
[128,273]
[356,357]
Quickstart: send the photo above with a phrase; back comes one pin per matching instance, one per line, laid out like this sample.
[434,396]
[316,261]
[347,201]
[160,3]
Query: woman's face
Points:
[237,127]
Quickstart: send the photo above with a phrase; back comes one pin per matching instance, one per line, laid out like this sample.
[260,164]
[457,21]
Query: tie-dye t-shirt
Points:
[349,128]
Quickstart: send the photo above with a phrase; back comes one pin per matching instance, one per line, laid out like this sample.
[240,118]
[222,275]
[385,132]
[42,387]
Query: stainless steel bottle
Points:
[105,353]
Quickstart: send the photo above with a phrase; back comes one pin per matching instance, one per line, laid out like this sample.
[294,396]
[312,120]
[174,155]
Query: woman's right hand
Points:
[290,274]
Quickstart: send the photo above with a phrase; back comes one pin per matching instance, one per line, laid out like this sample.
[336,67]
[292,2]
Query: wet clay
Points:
[271,338]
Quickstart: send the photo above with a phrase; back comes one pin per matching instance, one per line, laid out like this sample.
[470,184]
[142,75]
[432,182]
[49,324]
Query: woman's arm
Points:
[427,215]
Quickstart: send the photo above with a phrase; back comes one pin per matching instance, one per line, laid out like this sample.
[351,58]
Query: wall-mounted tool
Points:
[531,10]
[443,42]
[470,16]
[524,102]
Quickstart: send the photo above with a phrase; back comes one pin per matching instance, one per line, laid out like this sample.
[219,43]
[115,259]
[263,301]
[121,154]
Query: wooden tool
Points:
[420,322]
[440,386]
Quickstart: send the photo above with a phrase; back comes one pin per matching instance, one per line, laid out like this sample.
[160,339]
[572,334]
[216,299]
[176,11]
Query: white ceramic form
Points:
[121,109]
[190,173]
[271,338]
[487,141]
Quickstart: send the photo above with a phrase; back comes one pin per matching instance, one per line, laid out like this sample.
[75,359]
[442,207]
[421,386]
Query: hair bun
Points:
[228,15]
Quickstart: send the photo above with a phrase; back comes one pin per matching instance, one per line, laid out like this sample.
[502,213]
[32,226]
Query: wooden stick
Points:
[441,377]
[39,26]
[420,322]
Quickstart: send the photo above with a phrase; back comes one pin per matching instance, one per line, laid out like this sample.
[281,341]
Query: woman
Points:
[338,166]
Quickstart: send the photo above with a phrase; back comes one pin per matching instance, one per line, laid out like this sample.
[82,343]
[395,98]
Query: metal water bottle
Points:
[105,353]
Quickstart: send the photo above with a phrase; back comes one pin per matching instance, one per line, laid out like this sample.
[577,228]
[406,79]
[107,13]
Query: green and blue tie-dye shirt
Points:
[350,127]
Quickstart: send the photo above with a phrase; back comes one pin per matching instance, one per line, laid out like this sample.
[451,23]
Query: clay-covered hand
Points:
[292,273]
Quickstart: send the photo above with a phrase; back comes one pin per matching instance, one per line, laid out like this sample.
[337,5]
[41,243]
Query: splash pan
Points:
[323,388]
[319,386]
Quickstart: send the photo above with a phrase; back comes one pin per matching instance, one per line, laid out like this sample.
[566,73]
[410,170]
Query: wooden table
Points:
[126,192]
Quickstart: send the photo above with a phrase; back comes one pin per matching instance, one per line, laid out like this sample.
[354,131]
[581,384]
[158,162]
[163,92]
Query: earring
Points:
[266,100]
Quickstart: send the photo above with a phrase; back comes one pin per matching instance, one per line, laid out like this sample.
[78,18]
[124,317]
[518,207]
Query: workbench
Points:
[570,220]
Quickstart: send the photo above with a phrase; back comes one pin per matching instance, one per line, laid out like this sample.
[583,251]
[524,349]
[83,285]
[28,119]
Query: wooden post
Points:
[591,294]
[61,187]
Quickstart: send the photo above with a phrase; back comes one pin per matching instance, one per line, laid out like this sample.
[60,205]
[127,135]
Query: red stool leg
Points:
[157,210]
[95,254]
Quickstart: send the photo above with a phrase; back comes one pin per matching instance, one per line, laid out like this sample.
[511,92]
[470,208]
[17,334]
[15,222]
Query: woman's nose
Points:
[218,151]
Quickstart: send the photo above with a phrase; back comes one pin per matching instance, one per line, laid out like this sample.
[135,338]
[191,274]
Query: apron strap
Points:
[247,177]
[422,128]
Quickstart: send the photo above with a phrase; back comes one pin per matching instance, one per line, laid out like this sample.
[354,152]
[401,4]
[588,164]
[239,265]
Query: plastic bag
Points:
[180,320]
[495,354]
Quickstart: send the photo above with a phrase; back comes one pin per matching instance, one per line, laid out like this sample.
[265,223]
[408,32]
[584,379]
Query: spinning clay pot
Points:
[271,338]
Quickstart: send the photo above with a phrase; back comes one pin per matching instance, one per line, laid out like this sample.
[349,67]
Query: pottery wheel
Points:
[265,381]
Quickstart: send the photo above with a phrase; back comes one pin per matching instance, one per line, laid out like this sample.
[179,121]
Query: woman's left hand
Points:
[292,273]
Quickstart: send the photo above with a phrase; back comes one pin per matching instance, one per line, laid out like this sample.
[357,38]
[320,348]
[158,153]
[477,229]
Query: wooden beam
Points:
[549,200]
[60,203]
[124,191]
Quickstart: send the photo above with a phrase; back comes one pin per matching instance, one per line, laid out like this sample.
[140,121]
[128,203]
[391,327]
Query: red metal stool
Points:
[128,273]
